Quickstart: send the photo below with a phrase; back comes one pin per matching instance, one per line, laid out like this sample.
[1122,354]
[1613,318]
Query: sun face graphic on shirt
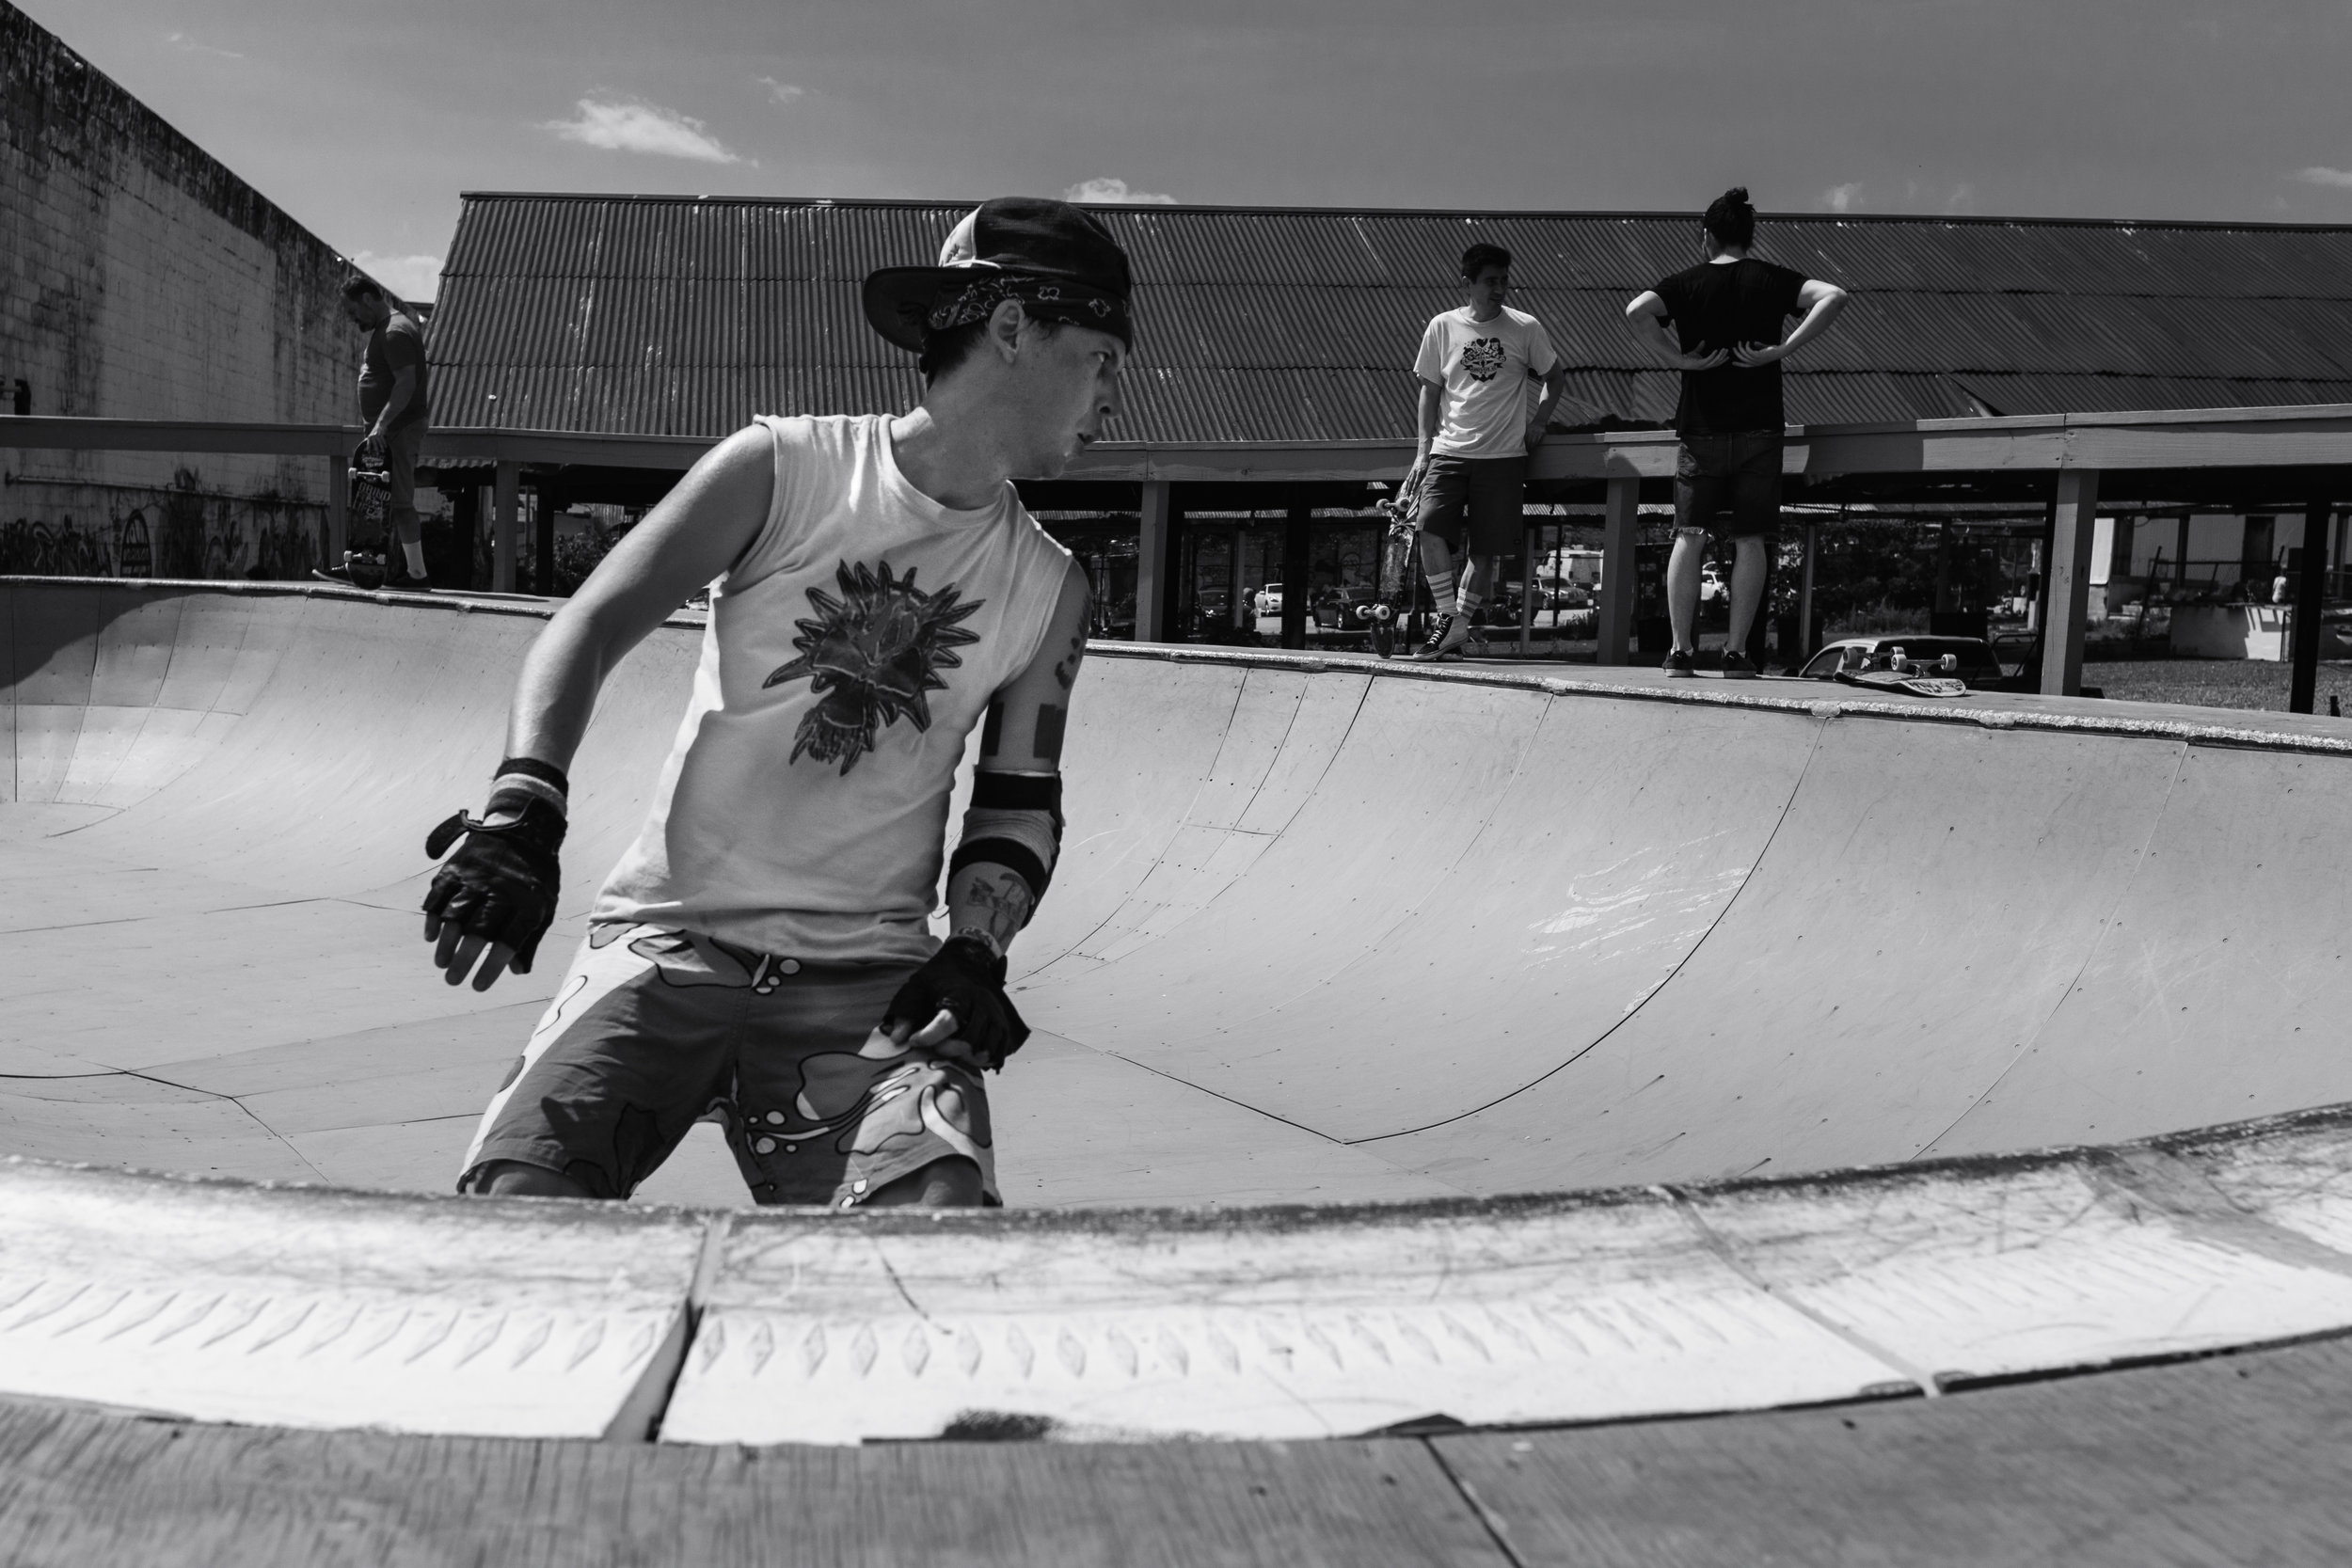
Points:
[1483,358]
[870,656]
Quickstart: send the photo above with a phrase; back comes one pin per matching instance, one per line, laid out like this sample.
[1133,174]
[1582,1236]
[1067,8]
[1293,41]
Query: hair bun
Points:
[1737,194]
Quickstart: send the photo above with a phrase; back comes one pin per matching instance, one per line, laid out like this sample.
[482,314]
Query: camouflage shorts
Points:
[654,1030]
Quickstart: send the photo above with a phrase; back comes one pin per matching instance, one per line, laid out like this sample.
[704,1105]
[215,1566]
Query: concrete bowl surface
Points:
[1863,1047]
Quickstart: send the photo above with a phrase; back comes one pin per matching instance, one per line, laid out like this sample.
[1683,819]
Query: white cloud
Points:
[187,45]
[1843,198]
[412,277]
[1111,193]
[783,92]
[2339,178]
[646,128]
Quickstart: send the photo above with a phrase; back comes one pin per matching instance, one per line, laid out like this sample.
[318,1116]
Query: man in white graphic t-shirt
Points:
[1480,417]
[762,954]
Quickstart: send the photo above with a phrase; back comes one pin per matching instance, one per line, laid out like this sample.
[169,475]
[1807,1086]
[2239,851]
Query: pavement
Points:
[1328,930]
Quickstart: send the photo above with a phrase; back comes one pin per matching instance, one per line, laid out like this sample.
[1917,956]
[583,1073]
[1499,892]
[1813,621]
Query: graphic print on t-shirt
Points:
[870,656]
[1483,357]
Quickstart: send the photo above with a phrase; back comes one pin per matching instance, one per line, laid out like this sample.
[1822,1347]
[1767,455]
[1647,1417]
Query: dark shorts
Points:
[654,1030]
[1483,497]
[1729,485]
[403,446]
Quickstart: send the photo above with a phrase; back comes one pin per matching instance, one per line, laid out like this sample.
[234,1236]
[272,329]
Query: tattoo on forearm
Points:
[1050,722]
[1005,902]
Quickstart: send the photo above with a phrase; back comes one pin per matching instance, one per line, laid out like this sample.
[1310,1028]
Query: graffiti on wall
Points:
[60,550]
[178,531]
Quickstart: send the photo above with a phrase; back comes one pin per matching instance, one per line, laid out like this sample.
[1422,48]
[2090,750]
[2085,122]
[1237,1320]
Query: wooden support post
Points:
[2179,552]
[1155,560]
[338,510]
[1810,542]
[548,500]
[1297,564]
[2067,578]
[466,517]
[2310,600]
[1615,612]
[1527,585]
[502,527]
[1238,612]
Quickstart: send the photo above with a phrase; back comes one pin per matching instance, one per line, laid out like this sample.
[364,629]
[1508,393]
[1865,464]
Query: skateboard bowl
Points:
[1857,1045]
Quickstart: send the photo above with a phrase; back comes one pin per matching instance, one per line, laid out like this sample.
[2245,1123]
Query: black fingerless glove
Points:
[501,883]
[967,978]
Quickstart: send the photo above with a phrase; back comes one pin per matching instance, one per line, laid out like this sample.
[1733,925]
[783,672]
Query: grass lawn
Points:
[2213,682]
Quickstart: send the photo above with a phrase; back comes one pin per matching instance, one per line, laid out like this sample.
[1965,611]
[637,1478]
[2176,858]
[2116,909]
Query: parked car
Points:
[1347,610]
[1269,599]
[1710,583]
[1973,659]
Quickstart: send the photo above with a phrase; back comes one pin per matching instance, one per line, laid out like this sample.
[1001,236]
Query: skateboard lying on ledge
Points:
[1892,672]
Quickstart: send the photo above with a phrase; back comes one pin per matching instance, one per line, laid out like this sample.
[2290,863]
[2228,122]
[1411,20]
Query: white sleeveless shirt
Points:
[851,651]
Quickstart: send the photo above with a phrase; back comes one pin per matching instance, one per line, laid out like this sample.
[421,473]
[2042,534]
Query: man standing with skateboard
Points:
[395,403]
[1474,432]
[1727,313]
[762,953]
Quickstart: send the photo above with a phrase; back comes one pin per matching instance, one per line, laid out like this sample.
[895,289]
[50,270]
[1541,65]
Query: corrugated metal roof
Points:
[641,315]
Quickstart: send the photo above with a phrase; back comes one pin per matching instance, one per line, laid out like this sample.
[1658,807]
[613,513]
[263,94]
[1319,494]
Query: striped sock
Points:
[1471,599]
[1441,590]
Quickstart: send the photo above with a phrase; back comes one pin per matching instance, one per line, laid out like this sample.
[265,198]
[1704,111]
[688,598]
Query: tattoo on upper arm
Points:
[993,729]
[1066,668]
[1051,722]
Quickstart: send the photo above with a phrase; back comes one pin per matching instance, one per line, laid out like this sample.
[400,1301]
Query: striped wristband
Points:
[521,778]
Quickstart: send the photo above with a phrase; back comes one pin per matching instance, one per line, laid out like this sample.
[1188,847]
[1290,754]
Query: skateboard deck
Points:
[1892,680]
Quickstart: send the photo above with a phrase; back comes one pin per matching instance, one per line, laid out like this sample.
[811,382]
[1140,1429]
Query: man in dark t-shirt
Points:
[1727,315]
[395,401]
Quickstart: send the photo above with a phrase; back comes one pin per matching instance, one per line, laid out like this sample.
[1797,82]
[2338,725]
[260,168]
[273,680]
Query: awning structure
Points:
[2297,456]
[1295,326]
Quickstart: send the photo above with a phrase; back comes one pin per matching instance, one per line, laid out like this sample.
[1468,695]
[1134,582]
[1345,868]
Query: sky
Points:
[365,118]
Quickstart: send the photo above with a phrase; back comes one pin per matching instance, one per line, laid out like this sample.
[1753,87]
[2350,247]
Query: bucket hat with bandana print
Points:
[1056,260]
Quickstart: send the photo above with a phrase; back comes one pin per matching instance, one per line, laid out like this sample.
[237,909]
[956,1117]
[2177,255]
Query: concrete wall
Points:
[139,279]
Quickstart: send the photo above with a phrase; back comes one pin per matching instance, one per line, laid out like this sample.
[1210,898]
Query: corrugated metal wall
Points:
[677,316]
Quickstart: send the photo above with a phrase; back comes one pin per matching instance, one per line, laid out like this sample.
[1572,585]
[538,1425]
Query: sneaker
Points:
[357,571]
[1446,634]
[1679,663]
[1737,667]
[401,583]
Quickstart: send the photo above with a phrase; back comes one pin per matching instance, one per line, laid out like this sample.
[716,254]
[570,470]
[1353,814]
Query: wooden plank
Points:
[1831,451]
[86,1488]
[2219,442]
[59,432]
[2216,1463]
